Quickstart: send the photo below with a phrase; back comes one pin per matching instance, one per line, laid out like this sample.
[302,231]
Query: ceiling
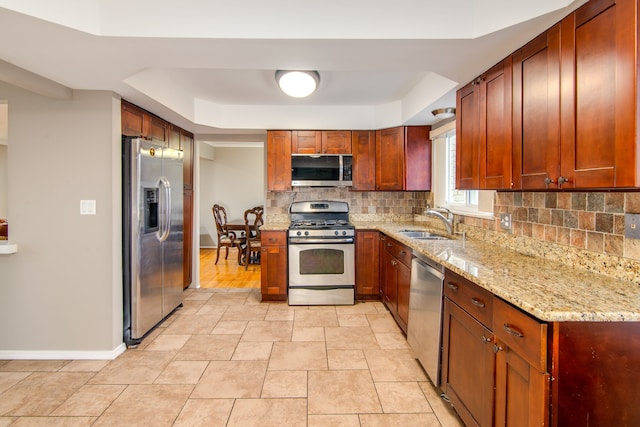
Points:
[209,66]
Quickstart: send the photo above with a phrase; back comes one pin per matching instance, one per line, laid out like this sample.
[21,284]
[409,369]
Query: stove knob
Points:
[299,233]
[336,232]
[344,232]
[306,233]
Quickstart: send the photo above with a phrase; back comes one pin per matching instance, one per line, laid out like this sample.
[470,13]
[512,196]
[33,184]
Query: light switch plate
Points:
[632,226]
[87,207]
[505,221]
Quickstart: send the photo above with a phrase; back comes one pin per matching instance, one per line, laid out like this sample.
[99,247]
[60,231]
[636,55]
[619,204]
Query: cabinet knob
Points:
[486,340]
[497,348]
[548,181]
[562,180]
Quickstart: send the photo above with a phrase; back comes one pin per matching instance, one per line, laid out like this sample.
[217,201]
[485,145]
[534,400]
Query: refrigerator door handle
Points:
[166,222]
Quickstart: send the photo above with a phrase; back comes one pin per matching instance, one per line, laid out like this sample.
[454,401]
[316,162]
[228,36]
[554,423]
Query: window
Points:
[444,177]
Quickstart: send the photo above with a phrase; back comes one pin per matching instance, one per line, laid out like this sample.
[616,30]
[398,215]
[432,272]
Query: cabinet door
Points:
[599,147]
[336,142]
[522,392]
[273,266]
[495,145]
[174,137]
[389,282]
[417,175]
[186,145]
[467,136]
[468,365]
[403,280]
[279,160]
[306,142]
[390,159]
[367,264]
[132,118]
[363,144]
[536,112]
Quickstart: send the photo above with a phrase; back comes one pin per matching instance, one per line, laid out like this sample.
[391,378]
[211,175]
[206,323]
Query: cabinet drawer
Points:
[399,251]
[472,298]
[522,333]
[273,238]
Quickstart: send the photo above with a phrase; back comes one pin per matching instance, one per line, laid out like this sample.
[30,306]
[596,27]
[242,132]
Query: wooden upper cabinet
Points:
[495,149]
[467,136]
[403,159]
[483,130]
[536,112]
[306,142]
[186,145]
[279,160]
[390,159]
[174,137]
[321,142]
[363,143]
[336,142]
[417,157]
[138,122]
[132,118]
[599,60]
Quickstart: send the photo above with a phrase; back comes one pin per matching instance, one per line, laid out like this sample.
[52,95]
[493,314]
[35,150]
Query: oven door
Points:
[321,265]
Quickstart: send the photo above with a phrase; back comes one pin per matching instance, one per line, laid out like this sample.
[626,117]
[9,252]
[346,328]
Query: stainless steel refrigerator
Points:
[152,235]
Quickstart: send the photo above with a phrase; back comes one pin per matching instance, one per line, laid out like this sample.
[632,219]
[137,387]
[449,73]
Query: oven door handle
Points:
[311,240]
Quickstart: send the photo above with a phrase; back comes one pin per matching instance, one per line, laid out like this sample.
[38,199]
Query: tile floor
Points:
[226,359]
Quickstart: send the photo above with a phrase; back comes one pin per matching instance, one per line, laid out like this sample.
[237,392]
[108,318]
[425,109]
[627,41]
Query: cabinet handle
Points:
[562,180]
[452,286]
[497,348]
[389,245]
[512,330]
[403,253]
[548,181]
[272,239]
[477,302]
[486,340]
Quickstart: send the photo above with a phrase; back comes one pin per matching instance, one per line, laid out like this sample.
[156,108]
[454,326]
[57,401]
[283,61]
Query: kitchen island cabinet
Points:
[273,265]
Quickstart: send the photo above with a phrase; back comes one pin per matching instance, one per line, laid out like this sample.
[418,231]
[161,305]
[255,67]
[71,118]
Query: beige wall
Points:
[235,180]
[61,294]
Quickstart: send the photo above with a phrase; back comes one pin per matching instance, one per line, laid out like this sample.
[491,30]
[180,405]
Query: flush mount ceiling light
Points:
[444,113]
[298,84]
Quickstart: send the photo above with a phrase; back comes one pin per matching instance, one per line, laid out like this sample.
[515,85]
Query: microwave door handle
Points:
[340,169]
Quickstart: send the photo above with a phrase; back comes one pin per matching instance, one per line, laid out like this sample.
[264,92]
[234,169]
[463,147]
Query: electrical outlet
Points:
[632,226]
[505,221]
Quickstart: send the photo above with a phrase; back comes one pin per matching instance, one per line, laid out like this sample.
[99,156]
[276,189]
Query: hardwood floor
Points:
[227,273]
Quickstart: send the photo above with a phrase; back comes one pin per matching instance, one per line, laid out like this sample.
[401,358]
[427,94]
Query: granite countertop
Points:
[546,289]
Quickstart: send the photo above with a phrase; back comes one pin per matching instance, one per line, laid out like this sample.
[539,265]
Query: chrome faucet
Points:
[440,214]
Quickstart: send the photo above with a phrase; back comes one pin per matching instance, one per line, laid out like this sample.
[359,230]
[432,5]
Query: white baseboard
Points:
[63,354]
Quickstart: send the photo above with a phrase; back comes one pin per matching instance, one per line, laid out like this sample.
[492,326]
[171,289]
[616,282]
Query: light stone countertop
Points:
[548,290]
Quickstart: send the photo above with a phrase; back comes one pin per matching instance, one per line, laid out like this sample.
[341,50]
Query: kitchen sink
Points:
[422,235]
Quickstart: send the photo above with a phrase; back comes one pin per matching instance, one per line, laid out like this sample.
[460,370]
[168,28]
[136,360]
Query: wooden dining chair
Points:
[252,223]
[227,239]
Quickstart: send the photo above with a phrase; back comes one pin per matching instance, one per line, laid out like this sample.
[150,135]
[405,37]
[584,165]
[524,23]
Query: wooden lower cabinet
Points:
[367,264]
[273,265]
[395,275]
[468,365]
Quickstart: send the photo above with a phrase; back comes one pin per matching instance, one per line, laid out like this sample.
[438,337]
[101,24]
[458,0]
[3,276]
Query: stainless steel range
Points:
[321,254]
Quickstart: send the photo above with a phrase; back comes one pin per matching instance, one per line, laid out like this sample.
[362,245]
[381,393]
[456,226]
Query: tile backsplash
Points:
[363,205]
[583,229]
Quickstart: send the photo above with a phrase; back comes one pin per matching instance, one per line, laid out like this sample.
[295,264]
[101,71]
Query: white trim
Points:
[63,355]
[439,131]
[474,214]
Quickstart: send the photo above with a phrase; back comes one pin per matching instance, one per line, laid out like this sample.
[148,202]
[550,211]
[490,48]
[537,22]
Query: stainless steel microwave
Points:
[322,170]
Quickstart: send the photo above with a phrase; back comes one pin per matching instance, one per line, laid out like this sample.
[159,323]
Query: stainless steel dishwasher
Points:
[425,313]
